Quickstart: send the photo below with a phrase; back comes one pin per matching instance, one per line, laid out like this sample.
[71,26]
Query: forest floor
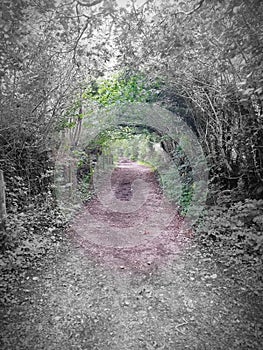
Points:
[127,275]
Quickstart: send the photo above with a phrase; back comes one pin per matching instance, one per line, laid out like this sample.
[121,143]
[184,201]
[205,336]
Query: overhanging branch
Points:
[95,2]
[192,11]
[196,8]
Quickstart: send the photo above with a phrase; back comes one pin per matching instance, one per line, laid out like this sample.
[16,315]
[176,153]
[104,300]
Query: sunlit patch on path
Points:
[150,234]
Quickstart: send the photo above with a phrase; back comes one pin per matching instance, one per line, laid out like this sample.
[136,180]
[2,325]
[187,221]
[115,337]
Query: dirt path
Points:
[133,226]
[125,281]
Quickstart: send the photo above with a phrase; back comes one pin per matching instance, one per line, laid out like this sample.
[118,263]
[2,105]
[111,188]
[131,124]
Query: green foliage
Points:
[120,89]
[186,198]
[85,189]
[175,189]
[172,187]
[105,138]
[136,145]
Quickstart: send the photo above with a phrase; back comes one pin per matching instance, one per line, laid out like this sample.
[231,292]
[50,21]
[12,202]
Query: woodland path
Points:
[125,281]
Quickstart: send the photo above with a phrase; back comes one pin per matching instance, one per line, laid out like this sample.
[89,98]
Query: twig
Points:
[79,37]
[96,2]
[180,325]
[196,8]
[192,11]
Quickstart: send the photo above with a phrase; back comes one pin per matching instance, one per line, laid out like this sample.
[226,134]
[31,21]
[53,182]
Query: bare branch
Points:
[79,37]
[192,11]
[95,2]
[144,4]
[196,8]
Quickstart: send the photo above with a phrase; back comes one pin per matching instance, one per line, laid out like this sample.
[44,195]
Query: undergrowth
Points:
[176,191]
[30,231]
[233,232]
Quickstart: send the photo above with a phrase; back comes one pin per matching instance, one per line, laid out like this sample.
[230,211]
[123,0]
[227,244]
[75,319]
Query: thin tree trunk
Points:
[2,201]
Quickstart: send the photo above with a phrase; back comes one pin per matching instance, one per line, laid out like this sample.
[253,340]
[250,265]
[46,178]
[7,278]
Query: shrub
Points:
[234,231]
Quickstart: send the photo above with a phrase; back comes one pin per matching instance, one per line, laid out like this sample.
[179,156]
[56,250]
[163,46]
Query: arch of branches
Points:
[174,135]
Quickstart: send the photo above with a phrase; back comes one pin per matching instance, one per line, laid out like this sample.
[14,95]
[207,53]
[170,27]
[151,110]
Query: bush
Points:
[234,231]
[30,233]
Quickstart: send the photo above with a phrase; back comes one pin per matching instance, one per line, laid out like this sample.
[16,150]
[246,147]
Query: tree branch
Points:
[145,3]
[95,2]
[196,8]
[192,11]
[78,39]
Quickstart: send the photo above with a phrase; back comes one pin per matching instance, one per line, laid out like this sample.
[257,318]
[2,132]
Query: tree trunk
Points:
[2,201]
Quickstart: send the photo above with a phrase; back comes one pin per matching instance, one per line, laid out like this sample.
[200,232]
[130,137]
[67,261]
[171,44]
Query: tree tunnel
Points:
[182,154]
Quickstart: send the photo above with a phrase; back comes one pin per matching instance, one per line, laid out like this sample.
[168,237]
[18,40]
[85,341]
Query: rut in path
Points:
[148,296]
